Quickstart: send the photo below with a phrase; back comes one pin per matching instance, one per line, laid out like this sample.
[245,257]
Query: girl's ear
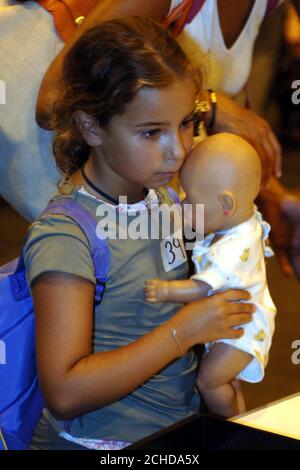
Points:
[89,129]
[228,202]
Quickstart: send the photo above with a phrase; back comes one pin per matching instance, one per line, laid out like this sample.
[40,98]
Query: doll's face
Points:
[202,193]
[223,173]
[213,212]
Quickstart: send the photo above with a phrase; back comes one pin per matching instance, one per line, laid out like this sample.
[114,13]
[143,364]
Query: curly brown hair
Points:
[102,73]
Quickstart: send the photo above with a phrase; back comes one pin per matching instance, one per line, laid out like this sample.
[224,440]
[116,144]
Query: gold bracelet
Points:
[213,101]
[174,334]
[201,110]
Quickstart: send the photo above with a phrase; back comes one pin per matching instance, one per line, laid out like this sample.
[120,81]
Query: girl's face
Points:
[147,144]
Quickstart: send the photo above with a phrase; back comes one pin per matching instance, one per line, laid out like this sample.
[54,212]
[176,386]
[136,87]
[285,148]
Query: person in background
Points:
[214,36]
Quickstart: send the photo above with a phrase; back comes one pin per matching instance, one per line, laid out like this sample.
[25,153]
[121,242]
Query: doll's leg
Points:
[216,379]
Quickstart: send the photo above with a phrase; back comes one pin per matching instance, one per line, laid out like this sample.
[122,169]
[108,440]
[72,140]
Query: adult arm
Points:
[75,380]
[105,10]
[231,117]
[296,4]
[281,208]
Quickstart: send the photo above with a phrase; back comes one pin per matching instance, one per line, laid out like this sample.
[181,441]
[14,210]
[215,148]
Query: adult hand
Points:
[231,117]
[291,209]
[284,218]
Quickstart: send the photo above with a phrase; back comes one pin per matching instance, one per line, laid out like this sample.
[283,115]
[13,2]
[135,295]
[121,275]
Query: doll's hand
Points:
[156,290]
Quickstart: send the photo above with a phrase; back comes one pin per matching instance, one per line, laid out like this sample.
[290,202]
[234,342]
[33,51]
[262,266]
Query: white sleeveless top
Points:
[226,69]
[28,44]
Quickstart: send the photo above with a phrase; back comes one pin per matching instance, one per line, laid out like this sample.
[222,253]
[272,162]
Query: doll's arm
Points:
[187,290]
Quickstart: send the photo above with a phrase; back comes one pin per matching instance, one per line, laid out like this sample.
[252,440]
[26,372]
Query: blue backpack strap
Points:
[88,224]
[99,247]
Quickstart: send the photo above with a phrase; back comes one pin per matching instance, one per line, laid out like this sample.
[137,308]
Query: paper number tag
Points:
[172,252]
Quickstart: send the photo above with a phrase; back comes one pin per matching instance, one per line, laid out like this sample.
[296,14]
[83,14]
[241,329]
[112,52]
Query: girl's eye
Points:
[152,133]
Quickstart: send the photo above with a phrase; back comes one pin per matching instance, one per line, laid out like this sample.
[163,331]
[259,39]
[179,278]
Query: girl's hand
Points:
[213,318]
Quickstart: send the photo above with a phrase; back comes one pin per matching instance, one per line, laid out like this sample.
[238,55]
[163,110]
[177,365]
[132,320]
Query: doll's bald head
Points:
[224,173]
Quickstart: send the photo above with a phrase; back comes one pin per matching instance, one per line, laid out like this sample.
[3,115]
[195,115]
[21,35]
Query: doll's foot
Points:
[156,290]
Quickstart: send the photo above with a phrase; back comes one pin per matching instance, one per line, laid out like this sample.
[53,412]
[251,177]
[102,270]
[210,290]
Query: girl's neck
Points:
[108,184]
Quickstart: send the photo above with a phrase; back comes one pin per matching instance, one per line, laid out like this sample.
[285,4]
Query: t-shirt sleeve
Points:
[57,244]
[212,276]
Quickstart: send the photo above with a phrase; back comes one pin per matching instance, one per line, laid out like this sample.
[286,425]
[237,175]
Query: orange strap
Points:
[178,17]
[68,14]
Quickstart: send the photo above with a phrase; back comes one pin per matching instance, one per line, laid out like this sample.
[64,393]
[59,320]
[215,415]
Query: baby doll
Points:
[224,173]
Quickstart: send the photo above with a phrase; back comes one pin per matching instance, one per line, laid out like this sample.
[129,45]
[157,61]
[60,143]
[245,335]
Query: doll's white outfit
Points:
[236,260]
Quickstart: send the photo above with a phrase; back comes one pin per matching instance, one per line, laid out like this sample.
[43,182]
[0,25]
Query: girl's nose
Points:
[178,149]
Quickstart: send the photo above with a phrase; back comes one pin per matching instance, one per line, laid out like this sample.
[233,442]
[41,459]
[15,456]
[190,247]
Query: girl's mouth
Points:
[167,174]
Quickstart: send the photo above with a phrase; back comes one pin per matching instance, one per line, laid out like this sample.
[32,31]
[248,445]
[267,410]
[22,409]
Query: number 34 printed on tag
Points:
[172,252]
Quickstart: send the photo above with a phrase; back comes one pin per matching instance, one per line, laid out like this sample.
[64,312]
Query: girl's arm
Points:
[103,11]
[75,380]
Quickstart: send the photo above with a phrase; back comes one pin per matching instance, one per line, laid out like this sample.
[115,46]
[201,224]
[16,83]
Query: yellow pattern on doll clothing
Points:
[245,256]
[259,357]
[260,336]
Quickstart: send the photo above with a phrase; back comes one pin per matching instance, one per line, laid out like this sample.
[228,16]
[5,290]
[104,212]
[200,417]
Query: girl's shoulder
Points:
[52,224]
[55,242]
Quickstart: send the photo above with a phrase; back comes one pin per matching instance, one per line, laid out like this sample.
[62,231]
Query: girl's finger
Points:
[241,307]
[236,320]
[234,333]
[233,295]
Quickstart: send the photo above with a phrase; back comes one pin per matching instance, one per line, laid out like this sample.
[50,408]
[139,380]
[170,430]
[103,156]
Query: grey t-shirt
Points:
[58,244]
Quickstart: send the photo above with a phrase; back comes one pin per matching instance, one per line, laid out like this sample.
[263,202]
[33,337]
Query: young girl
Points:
[126,368]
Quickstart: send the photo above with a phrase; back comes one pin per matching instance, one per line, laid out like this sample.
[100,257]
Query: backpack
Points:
[69,14]
[21,401]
